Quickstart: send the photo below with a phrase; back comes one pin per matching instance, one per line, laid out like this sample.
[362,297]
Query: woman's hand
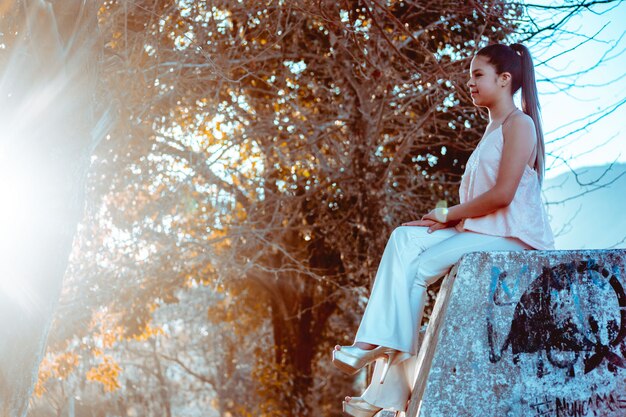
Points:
[419,223]
[432,221]
[431,224]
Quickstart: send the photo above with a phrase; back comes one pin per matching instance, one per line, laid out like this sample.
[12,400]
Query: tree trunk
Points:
[47,96]
[296,338]
[164,393]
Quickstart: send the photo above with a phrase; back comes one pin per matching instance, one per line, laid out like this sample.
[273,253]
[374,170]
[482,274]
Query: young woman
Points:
[500,209]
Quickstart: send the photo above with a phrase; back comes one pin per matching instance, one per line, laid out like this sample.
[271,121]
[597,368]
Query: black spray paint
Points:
[539,325]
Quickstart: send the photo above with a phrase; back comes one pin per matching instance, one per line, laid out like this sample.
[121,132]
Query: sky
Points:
[604,86]
[570,220]
[571,205]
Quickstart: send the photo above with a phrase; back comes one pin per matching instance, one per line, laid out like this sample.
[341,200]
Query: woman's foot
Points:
[350,359]
[358,407]
[360,345]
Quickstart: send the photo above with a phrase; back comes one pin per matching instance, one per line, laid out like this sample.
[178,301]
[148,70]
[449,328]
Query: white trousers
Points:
[412,260]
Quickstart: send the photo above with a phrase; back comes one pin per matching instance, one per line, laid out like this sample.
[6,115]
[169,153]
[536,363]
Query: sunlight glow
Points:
[17,209]
[44,91]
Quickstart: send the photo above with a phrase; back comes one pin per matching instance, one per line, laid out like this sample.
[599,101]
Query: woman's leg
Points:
[432,263]
[391,318]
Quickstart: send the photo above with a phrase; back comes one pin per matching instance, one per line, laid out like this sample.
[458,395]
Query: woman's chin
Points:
[478,102]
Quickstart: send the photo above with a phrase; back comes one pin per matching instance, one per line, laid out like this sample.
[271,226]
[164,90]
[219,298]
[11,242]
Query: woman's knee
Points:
[400,231]
[408,238]
[406,233]
[399,234]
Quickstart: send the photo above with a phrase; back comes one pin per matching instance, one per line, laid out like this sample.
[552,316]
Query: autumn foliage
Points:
[263,152]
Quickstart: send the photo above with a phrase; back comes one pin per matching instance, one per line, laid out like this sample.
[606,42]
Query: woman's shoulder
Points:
[519,125]
[520,119]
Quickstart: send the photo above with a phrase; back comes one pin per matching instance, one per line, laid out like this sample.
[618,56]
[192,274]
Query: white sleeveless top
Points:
[525,218]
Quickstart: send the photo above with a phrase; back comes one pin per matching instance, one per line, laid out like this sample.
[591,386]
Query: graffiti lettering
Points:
[596,405]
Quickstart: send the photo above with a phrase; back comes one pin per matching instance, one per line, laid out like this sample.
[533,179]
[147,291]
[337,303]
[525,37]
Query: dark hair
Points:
[516,60]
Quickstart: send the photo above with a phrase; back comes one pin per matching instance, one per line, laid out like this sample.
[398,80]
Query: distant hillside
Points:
[597,219]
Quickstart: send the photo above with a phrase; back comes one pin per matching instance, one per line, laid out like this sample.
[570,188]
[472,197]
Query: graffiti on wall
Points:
[557,317]
[593,405]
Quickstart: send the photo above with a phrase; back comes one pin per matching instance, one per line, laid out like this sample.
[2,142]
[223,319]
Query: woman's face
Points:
[484,84]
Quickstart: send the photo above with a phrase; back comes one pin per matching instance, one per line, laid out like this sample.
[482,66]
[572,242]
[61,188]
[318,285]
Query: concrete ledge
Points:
[532,333]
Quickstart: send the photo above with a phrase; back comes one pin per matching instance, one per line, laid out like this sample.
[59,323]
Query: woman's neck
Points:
[498,112]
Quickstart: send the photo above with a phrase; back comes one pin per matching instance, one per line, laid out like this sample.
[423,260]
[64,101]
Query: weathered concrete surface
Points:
[532,333]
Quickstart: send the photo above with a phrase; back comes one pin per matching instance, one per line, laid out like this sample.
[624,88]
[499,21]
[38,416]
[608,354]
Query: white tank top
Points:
[525,218]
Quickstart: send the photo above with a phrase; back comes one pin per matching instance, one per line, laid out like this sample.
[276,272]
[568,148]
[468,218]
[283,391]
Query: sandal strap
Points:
[359,402]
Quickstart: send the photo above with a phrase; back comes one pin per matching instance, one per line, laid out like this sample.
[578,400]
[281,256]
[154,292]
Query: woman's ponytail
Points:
[530,103]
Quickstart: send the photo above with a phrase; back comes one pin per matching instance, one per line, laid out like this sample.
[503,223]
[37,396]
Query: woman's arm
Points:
[520,139]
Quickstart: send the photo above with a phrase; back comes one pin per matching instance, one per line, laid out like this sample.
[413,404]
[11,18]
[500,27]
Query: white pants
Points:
[412,260]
